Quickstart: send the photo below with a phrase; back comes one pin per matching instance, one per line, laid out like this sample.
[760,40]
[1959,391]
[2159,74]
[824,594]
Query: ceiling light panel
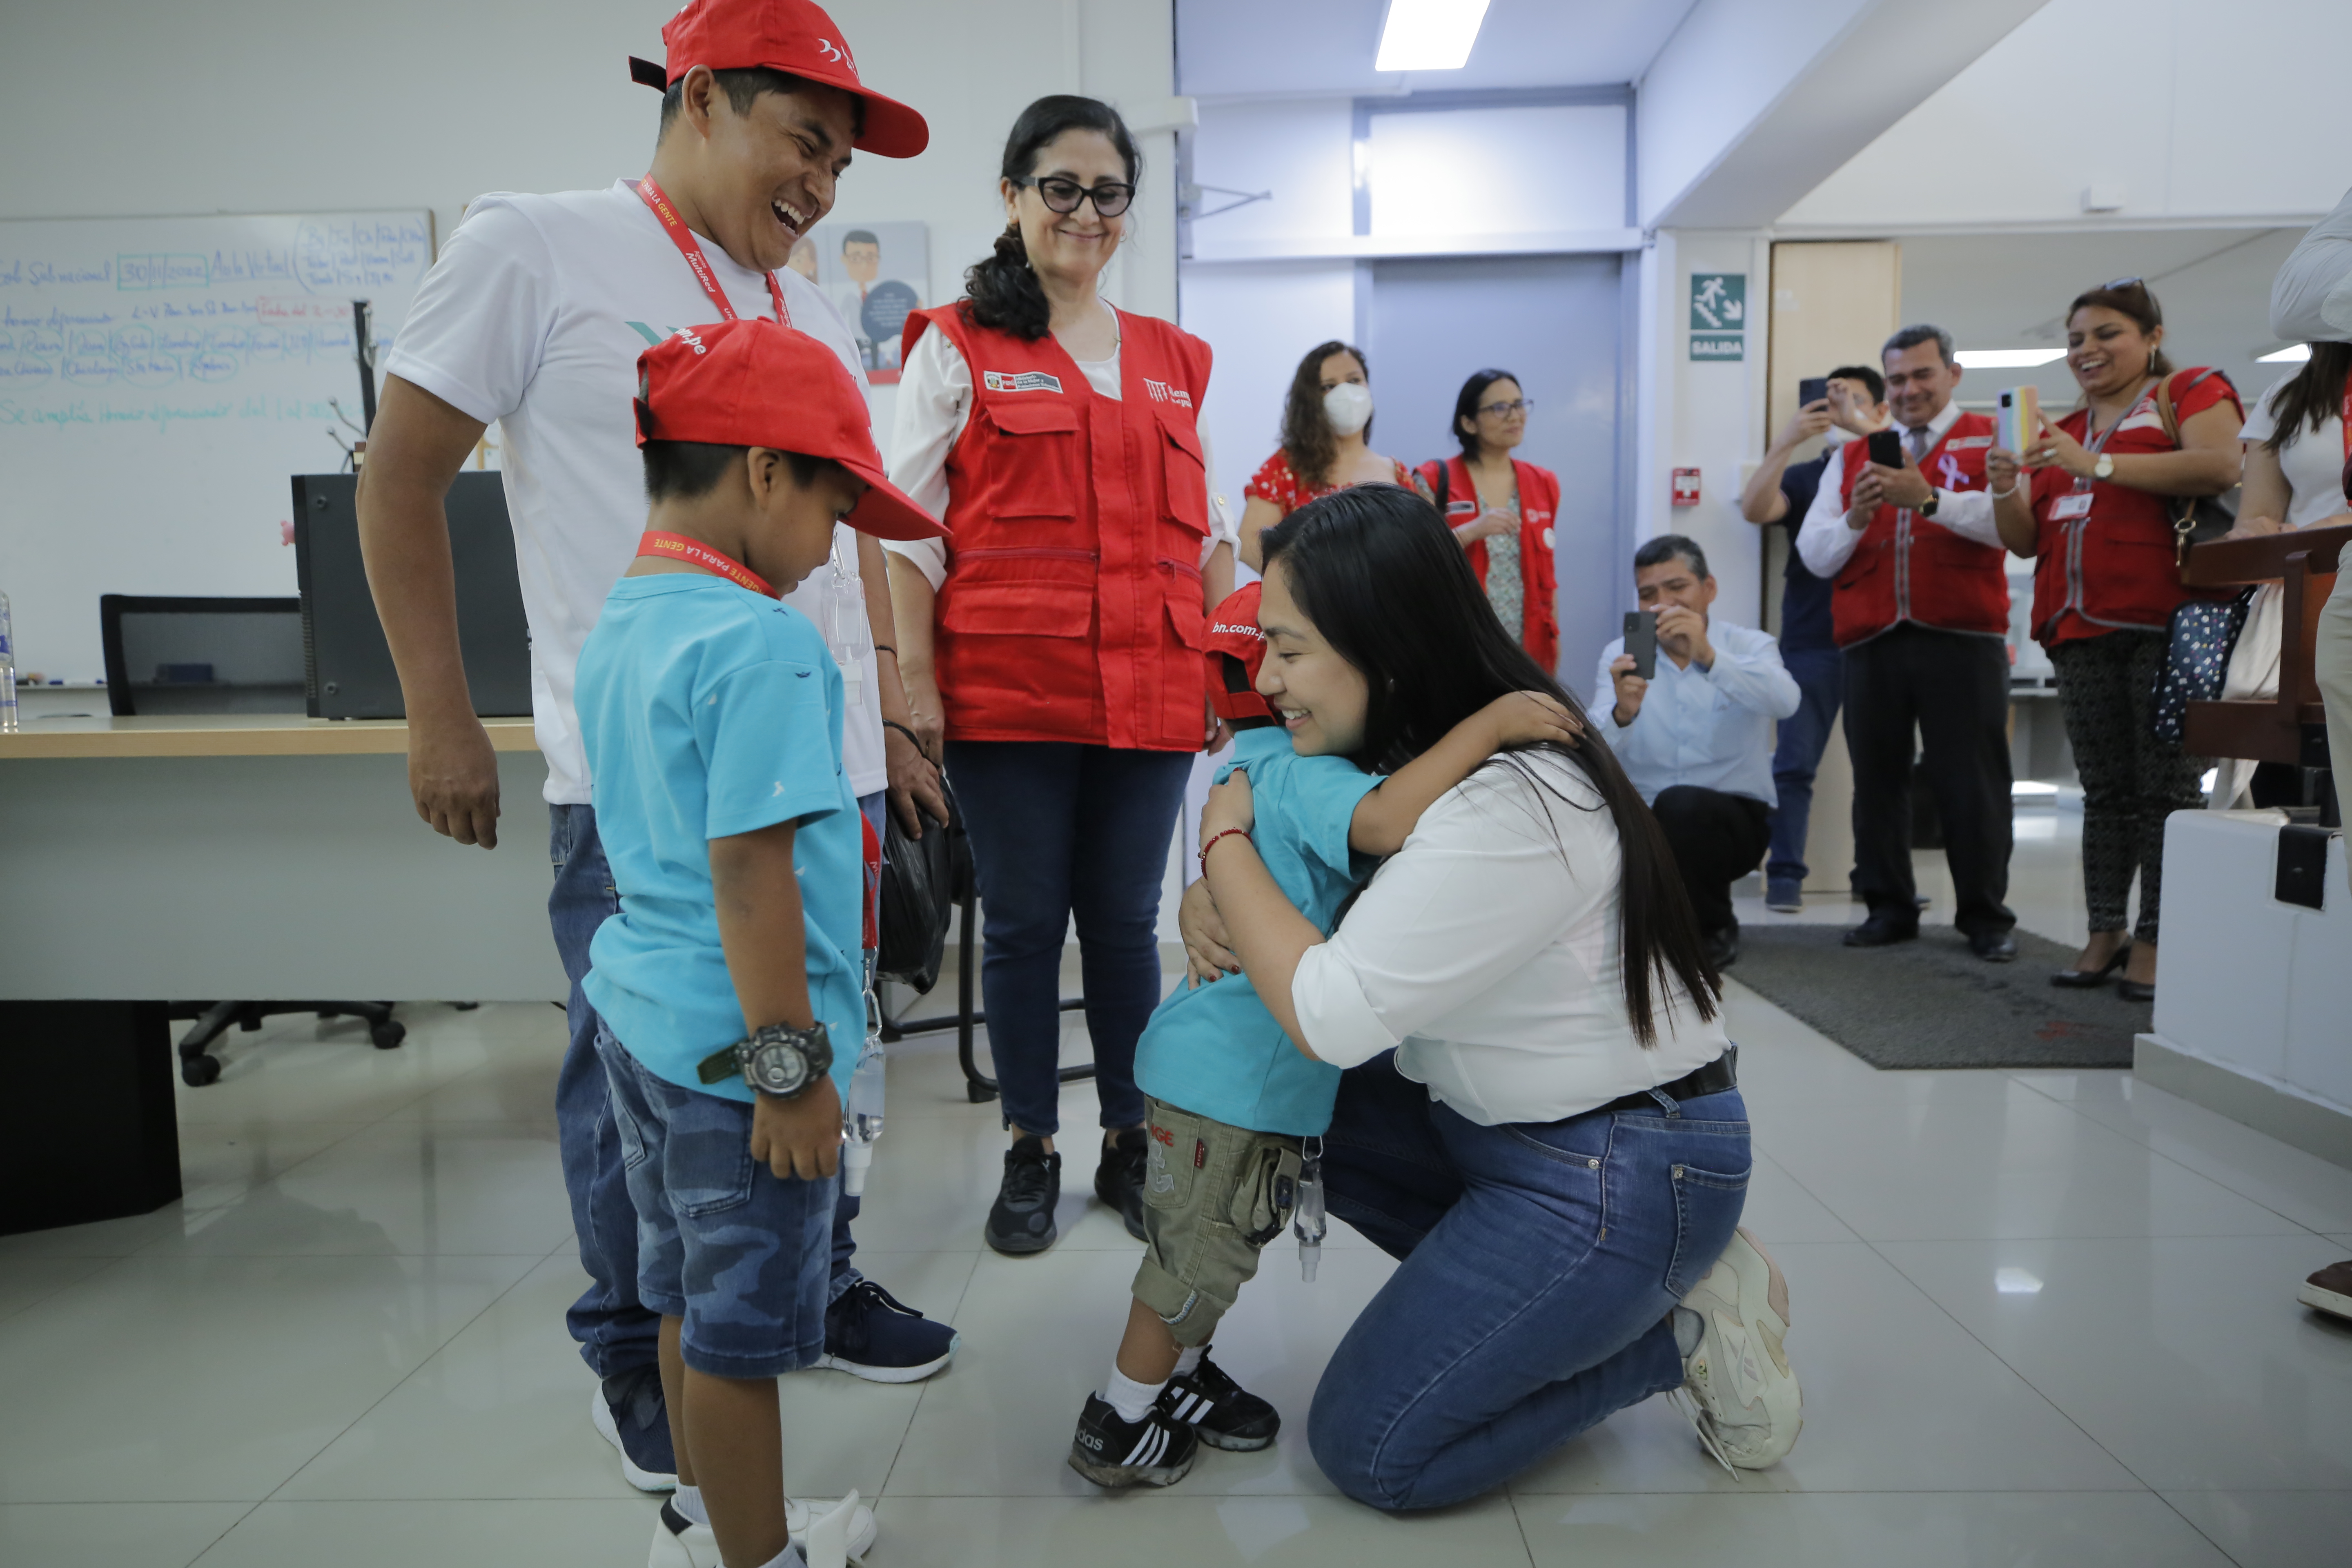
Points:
[1429,34]
[2007,359]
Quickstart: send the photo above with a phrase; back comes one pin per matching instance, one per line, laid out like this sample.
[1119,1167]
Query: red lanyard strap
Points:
[678,547]
[690,248]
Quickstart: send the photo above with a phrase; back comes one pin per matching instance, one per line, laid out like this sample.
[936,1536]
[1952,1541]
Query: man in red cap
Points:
[730,989]
[534,316]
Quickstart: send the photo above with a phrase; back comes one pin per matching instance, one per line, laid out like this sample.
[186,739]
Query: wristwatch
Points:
[1935,499]
[778,1059]
[2104,468]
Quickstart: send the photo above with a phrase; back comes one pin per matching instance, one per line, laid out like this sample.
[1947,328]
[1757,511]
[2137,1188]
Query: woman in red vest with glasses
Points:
[1054,653]
[1501,511]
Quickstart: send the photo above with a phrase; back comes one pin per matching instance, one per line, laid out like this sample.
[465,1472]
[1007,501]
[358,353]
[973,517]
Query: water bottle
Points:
[1307,1220]
[861,1113]
[8,668]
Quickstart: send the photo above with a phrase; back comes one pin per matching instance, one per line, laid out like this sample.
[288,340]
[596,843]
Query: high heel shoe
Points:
[2084,979]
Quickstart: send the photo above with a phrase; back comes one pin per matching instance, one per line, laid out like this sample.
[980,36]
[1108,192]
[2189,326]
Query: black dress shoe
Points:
[1722,947]
[2084,979]
[1994,946]
[2134,991]
[1880,932]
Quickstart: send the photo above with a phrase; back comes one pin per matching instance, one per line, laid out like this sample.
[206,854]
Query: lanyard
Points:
[678,547]
[2347,416]
[2099,445]
[690,248]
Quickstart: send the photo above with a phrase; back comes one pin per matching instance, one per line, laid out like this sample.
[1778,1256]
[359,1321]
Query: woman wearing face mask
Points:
[1501,509]
[2092,499]
[1326,428]
[1051,648]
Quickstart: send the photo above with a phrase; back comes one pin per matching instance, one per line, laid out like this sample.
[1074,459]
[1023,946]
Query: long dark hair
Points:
[1379,575]
[2314,396]
[1002,291]
[1465,407]
[1307,439]
[2127,299]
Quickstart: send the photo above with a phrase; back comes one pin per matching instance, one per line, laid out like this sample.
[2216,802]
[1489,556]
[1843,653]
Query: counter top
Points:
[232,735]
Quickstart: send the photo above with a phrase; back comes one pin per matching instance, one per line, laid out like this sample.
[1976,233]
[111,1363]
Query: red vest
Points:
[1908,568]
[1538,510]
[1072,606]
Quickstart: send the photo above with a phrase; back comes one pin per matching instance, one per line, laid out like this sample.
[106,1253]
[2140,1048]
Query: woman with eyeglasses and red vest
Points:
[1502,511]
[1053,654]
[2091,499]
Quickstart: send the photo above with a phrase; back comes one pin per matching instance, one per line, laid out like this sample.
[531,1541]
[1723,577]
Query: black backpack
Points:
[922,879]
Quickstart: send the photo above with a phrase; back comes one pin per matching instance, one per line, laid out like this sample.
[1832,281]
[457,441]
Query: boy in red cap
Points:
[533,318]
[711,717]
[1234,1108]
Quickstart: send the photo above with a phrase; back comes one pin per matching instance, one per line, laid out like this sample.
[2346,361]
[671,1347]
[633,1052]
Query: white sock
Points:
[1132,1400]
[1689,1327]
[1190,1361]
[790,1557]
[689,1502]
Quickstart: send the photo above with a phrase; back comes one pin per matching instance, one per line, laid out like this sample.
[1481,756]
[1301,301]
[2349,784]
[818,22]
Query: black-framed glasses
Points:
[1514,407]
[1062,195]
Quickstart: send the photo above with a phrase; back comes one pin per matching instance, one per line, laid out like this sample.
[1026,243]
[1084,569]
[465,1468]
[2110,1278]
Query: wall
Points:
[2199,112]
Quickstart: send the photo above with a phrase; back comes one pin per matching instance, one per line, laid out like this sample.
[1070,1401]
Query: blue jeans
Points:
[1804,735]
[1059,829]
[1540,1263]
[724,1243]
[615,1332]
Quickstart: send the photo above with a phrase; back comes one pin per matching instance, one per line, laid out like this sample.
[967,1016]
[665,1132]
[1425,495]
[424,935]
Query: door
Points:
[1554,322]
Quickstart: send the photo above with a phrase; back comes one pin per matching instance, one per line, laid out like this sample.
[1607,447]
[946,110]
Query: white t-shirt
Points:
[2313,461]
[1486,952]
[533,317]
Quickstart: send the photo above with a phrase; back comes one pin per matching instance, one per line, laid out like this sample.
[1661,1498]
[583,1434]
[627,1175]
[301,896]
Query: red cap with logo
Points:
[795,36]
[1233,635]
[750,383]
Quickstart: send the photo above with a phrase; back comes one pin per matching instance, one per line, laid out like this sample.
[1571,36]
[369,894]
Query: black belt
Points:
[1718,1075]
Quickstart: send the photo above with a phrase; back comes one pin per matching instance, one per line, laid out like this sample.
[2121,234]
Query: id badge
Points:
[2069,507]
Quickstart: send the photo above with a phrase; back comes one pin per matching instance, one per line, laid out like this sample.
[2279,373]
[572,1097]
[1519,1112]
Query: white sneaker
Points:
[1744,1396]
[828,1533]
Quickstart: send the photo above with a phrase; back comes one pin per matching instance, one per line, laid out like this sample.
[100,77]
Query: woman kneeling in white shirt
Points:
[1539,1116]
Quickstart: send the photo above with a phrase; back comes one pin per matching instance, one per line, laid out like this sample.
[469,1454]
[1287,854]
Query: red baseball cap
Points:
[750,383]
[795,36]
[1234,632]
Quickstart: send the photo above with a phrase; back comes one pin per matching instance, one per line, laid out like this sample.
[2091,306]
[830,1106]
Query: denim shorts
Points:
[741,1255]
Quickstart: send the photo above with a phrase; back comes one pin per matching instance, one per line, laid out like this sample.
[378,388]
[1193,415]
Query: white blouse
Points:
[935,405]
[1486,952]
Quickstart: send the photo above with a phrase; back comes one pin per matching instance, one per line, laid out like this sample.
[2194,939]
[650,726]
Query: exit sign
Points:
[1718,316]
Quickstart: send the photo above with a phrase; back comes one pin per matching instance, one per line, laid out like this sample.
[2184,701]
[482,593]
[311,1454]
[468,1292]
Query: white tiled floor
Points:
[2039,1317]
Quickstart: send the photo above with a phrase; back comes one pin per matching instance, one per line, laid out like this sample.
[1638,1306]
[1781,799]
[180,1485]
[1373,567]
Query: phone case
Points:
[2021,418]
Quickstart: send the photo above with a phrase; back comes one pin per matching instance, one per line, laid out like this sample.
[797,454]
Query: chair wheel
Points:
[387,1034]
[198,1071]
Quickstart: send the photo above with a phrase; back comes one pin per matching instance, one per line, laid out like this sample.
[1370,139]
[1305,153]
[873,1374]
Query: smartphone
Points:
[1642,642]
[2021,418]
[1811,390]
[1886,449]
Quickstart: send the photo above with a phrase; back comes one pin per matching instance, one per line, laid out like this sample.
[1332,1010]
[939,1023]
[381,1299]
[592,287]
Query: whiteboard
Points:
[160,381]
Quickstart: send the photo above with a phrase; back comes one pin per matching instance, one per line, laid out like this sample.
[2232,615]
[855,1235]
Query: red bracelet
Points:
[1211,843]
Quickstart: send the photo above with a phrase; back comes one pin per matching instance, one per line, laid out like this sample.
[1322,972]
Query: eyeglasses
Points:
[1511,410]
[2133,283]
[1061,195]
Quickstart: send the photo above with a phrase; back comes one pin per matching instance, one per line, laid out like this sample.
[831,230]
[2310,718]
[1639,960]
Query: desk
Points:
[262,857]
[254,857]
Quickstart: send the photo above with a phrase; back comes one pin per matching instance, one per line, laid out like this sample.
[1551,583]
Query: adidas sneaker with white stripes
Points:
[1157,1452]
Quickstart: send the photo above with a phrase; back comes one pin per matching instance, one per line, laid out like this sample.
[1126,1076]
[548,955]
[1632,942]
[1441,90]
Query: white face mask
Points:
[1348,407]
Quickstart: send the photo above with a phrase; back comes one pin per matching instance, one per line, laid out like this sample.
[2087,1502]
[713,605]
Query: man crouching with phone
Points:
[1694,727]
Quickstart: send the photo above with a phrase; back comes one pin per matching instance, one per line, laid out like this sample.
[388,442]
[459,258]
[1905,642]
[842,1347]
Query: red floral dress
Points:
[1276,482]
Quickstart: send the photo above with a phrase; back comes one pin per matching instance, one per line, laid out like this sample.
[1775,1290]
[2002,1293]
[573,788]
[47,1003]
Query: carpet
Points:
[1933,1004]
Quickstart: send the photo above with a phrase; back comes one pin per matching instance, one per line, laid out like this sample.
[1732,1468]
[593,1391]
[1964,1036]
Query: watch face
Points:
[779,1069]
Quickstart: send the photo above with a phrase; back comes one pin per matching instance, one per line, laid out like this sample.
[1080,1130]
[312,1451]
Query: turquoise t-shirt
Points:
[709,710]
[1213,1049]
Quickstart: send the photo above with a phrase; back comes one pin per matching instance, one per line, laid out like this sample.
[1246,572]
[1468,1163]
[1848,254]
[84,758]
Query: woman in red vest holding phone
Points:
[1501,511]
[2095,507]
[1053,654]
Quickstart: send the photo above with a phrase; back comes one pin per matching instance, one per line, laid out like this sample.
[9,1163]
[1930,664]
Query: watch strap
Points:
[724,1063]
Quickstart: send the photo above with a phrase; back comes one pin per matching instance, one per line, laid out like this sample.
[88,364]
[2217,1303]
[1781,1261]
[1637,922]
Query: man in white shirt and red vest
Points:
[1920,609]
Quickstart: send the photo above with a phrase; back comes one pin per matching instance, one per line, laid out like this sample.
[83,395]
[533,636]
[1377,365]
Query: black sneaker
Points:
[628,1410]
[1118,1180]
[870,1333]
[1023,1219]
[1157,1452]
[1222,1412]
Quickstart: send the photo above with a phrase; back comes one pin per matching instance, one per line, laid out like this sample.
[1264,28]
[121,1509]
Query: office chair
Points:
[180,655]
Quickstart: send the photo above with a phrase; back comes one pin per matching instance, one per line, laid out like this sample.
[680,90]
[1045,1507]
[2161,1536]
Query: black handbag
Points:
[922,879]
[2196,520]
[2202,634]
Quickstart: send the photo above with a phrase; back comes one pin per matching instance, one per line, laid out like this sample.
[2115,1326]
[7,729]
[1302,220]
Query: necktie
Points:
[1919,444]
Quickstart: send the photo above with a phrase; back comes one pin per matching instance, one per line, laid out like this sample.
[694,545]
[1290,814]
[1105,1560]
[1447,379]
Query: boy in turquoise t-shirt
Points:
[1232,1099]
[731,982]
